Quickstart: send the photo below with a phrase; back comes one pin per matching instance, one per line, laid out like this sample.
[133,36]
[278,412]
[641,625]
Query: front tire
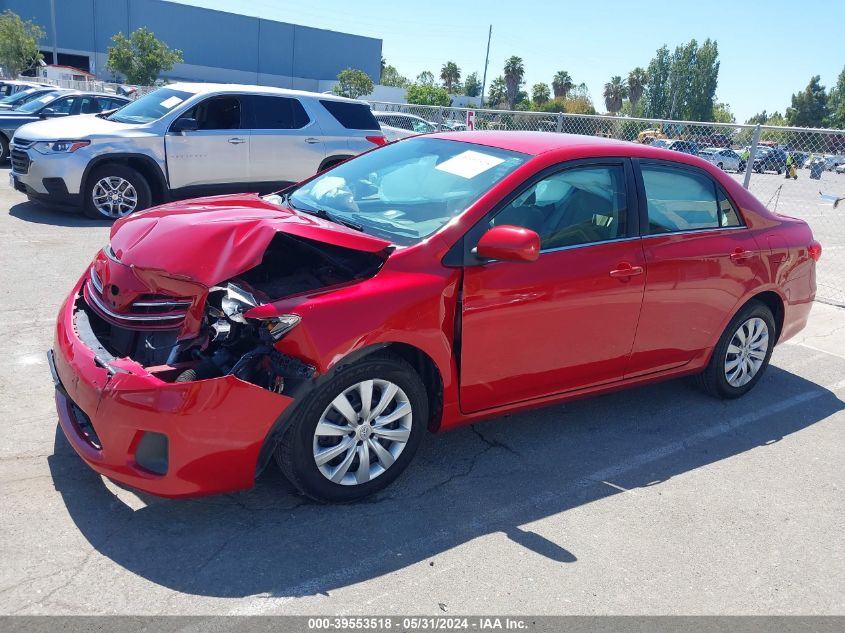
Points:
[114,191]
[742,354]
[356,433]
[4,149]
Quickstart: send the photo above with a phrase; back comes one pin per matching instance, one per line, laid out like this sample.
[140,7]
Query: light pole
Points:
[55,37]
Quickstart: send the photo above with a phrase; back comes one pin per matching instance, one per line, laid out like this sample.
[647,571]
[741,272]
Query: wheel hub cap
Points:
[362,432]
[114,197]
[746,352]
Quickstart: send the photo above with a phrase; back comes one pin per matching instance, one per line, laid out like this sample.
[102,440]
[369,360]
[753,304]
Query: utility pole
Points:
[486,61]
[53,20]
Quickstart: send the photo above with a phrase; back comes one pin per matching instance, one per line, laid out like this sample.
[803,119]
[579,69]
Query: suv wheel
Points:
[114,191]
[742,354]
[356,433]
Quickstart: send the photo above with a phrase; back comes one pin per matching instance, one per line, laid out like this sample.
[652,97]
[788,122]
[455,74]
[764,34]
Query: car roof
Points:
[407,114]
[203,88]
[529,142]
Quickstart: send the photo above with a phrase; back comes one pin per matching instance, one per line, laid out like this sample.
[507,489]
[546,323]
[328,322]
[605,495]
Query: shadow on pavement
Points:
[41,214]
[494,477]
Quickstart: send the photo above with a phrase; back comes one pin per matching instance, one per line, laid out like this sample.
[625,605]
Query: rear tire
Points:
[114,191]
[745,345]
[342,478]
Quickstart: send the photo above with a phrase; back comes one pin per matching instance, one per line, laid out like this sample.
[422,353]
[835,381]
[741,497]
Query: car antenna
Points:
[776,198]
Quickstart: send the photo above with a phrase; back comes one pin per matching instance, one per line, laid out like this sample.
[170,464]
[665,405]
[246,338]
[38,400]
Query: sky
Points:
[768,49]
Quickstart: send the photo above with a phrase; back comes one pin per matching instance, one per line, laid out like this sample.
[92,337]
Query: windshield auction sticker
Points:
[469,164]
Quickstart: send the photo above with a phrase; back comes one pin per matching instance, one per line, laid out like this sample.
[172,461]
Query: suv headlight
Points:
[59,147]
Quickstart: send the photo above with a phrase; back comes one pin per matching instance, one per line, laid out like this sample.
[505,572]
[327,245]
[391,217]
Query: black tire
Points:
[4,149]
[713,379]
[758,169]
[142,187]
[721,166]
[295,455]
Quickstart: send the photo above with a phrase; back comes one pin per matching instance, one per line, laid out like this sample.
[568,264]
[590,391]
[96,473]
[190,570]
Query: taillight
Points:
[377,140]
[815,250]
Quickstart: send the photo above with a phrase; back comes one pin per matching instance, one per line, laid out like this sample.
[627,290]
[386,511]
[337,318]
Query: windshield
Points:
[19,96]
[406,191]
[37,104]
[150,107]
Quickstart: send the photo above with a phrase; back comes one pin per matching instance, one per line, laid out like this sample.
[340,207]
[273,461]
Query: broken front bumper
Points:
[166,438]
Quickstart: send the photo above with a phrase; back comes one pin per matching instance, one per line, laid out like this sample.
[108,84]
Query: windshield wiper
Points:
[322,213]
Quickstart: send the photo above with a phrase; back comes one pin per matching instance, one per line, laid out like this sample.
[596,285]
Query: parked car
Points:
[726,159]
[184,140]
[832,162]
[687,147]
[769,159]
[326,325]
[10,86]
[404,121]
[394,133]
[57,104]
[17,99]
[840,168]
[713,140]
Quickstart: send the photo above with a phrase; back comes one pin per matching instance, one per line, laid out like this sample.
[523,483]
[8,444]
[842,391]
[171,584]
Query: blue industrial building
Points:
[216,46]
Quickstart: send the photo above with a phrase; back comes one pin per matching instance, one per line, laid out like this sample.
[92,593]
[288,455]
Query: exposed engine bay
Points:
[229,342]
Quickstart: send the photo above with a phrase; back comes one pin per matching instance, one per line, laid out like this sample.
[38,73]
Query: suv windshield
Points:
[406,191]
[150,107]
[37,104]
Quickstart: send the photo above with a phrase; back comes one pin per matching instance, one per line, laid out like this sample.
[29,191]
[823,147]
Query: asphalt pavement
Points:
[656,500]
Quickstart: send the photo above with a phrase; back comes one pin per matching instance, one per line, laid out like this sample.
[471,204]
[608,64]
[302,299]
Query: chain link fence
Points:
[794,171]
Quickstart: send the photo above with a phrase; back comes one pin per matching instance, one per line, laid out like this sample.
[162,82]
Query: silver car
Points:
[723,158]
[185,140]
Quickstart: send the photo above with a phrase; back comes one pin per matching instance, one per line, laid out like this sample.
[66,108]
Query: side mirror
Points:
[510,244]
[184,125]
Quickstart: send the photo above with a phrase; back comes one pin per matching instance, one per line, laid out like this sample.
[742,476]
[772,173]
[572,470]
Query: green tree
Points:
[353,83]
[657,84]
[451,76]
[722,113]
[562,84]
[682,84]
[391,77]
[427,94]
[637,80]
[514,73]
[540,94]
[141,57]
[497,93]
[426,78]
[472,87]
[614,92]
[809,107]
[704,79]
[836,103]
[18,43]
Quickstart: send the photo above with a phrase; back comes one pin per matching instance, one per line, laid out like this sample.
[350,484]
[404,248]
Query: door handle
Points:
[311,140]
[237,140]
[740,255]
[625,271]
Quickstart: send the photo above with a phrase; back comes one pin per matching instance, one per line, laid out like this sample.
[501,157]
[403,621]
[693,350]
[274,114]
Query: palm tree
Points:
[451,76]
[562,84]
[614,92]
[497,92]
[514,71]
[540,94]
[637,80]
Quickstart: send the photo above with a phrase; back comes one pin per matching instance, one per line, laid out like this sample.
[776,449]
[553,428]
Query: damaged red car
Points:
[427,284]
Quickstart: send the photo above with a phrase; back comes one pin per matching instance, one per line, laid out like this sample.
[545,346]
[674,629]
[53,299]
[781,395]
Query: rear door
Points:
[217,153]
[701,260]
[567,320]
[347,127]
[286,144]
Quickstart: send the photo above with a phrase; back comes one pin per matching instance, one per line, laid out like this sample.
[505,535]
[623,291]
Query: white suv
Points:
[186,140]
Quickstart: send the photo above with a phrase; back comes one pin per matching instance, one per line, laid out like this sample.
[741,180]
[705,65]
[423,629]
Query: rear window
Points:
[276,113]
[352,116]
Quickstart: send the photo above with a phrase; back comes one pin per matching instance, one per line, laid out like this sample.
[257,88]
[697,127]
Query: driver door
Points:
[215,155]
[566,321]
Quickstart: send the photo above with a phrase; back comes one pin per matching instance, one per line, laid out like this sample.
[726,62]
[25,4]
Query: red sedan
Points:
[427,284]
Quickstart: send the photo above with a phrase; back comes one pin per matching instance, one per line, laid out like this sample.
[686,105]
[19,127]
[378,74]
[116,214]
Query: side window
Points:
[217,113]
[576,206]
[88,105]
[351,115]
[61,106]
[728,215]
[680,200]
[277,113]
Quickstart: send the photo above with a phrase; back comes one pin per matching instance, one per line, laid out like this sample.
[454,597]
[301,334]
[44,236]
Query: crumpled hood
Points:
[209,240]
[81,126]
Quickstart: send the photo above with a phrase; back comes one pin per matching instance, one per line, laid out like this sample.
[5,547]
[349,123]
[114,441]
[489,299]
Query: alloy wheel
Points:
[115,197]
[746,352]
[362,432]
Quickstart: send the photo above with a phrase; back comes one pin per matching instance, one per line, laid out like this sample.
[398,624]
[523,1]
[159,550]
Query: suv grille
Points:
[20,161]
[149,311]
